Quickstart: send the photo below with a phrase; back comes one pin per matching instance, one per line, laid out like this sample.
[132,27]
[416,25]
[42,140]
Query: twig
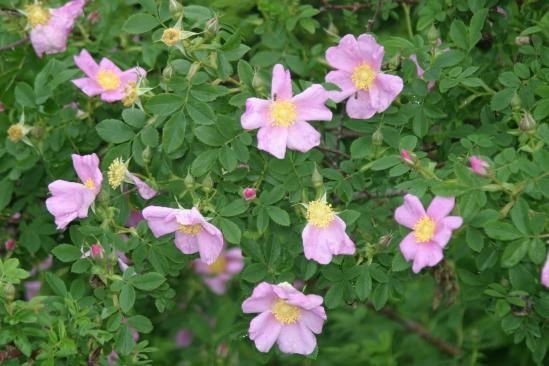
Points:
[372,20]
[356,6]
[419,329]
[10,13]
[387,194]
[334,151]
[12,352]
[11,46]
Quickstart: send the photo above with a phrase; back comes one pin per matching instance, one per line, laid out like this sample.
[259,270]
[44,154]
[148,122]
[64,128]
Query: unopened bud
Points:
[96,251]
[522,40]
[527,122]
[176,9]
[146,155]
[407,157]
[377,137]
[317,178]
[212,25]
[249,193]
[258,83]
[2,107]
[167,73]
[193,70]
[189,181]
[8,292]
[9,244]
[207,184]
[433,35]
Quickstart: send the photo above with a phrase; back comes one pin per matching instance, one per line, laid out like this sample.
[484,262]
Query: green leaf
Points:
[173,134]
[234,208]
[459,34]
[254,272]
[115,131]
[513,253]
[148,281]
[386,162]
[278,215]
[127,298]
[66,252]
[124,340]
[149,136]
[56,284]
[502,231]
[164,104]
[134,117]
[245,72]
[140,323]
[475,27]
[140,23]
[209,136]
[334,296]
[6,190]
[380,296]
[203,163]
[502,99]
[519,215]
[24,95]
[364,285]
[201,113]
[231,231]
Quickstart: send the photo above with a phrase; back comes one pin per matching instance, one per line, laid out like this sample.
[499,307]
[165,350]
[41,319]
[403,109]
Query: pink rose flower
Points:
[32,289]
[545,273]
[420,72]
[286,316]
[192,232]
[134,219]
[123,261]
[96,251]
[249,193]
[324,235]
[217,274]
[118,173]
[42,266]
[50,28]
[105,79]
[479,166]
[9,244]
[282,120]
[359,76]
[431,230]
[71,200]
[183,338]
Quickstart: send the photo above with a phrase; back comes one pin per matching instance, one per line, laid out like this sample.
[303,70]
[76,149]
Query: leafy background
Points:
[483,305]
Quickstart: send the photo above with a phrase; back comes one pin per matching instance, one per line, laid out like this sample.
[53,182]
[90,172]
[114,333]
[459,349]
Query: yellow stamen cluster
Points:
[171,36]
[37,15]
[285,313]
[424,229]
[283,113]
[131,94]
[16,132]
[117,173]
[363,76]
[190,229]
[219,265]
[320,213]
[108,80]
[89,183]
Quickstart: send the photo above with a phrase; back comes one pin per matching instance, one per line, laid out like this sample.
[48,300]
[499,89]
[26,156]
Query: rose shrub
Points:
[274,182]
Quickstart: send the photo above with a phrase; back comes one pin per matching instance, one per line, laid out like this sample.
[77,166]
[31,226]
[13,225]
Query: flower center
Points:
[320,214]
[285,313]
[15,133]
[283,113]
[171,36]
[116,173]
[108,80]
[424,229]
[89,183]
[131,94]
[363,76]
[190,229]
[37,15]
[219,265]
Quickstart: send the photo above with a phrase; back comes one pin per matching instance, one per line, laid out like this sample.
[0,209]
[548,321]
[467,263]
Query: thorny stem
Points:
[419,329]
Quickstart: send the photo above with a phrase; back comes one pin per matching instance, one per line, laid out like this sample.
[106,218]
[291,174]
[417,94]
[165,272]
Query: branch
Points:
[372,20]
[11,46]
[358,5]
[334,151]
[387,194]
[11,352]
[419,329]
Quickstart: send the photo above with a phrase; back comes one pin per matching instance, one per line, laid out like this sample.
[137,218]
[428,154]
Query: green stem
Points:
[406,8]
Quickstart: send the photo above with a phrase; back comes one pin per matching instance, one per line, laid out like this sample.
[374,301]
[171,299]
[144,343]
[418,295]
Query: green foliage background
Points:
[485,299]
